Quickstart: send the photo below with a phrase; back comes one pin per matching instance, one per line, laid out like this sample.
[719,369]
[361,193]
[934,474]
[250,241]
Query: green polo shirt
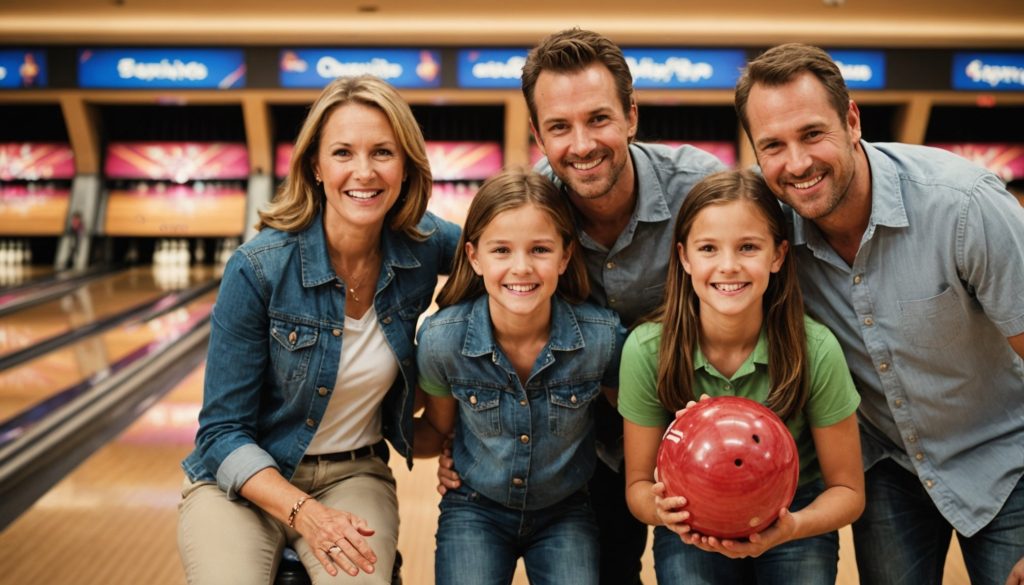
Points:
[832,396]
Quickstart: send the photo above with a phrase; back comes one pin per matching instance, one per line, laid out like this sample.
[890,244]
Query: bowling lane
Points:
[113,519]
[92,302]
[91,358]
[17,275]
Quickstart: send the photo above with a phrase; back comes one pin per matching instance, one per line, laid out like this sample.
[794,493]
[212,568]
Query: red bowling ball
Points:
[734,461]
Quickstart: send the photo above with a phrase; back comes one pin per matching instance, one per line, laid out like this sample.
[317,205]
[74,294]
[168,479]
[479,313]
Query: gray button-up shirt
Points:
[923,315]
[629,278]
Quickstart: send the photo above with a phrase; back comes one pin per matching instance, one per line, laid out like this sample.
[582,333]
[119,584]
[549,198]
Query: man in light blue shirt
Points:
[915,259]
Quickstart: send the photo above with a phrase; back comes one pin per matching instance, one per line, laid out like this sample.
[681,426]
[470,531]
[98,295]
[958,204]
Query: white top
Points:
[368,368]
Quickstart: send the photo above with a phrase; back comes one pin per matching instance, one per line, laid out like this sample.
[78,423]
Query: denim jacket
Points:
[523,447]
[275,346]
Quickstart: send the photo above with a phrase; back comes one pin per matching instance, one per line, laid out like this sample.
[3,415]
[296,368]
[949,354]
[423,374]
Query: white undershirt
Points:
[365,373]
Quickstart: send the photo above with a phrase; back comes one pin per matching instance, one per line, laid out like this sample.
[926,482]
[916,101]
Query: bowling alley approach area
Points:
[139,139]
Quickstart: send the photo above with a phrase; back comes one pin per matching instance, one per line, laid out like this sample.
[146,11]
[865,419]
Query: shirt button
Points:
[322,391]
[336,332]
[310,422]
[929,483]
[386,320]
[883,367]
[857,279]
[517,481]
[524,439]
[472,399]
[610,265]
[573,399]
[612,301]
[919,456]
[912,439]
[522,402]
[898,403]
[293,337]
[869,321]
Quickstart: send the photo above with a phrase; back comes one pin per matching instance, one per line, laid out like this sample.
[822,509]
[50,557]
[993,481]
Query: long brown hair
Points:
[299,198]
[511,189]
[782,302]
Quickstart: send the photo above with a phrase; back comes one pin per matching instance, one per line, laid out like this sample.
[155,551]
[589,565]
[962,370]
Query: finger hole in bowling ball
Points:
[757,439]
[738,462]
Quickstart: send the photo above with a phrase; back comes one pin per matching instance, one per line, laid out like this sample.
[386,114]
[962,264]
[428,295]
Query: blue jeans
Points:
[902,538]
[808,561]
[479,541]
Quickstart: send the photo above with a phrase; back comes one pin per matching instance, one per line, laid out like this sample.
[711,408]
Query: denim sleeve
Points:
[430,373]
[990,253]
[236,361]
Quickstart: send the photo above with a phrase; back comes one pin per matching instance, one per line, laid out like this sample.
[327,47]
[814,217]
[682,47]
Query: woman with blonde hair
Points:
[311,363]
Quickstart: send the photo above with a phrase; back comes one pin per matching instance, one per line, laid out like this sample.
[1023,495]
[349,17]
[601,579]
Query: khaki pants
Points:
[224,542]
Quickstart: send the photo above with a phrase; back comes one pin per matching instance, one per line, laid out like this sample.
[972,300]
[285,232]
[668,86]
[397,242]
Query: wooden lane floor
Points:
[39,379]
[95,300]
[113,519]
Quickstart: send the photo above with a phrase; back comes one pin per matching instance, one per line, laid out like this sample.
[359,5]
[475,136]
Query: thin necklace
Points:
[355,285]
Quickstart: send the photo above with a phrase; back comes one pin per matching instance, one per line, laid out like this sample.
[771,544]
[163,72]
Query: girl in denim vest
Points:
[512,363]
[733,323]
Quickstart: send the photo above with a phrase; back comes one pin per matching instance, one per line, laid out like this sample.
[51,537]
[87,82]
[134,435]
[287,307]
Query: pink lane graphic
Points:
[177,161]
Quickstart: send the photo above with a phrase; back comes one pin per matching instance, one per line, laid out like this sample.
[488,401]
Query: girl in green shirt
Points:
[733,323]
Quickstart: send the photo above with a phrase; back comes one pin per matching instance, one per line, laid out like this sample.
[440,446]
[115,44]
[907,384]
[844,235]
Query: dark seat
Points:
[292,572]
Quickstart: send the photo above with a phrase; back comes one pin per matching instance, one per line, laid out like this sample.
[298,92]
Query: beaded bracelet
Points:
[295,510]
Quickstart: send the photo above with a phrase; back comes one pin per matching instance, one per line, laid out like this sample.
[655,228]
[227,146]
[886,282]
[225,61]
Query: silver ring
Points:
[334,550]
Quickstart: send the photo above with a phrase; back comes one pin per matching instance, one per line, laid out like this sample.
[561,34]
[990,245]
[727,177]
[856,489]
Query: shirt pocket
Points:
[934,322]
[570,407]
[292,347]
[479,409]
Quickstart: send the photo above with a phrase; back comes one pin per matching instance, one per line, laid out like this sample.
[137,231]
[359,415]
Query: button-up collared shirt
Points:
[275,346]
[525,446]
[923,315]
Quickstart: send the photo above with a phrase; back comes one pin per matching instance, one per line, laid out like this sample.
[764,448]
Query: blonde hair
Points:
[300,198]
[782,303]
[508,190]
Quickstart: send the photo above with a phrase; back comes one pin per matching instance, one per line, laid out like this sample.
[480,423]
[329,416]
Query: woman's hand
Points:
[338,538]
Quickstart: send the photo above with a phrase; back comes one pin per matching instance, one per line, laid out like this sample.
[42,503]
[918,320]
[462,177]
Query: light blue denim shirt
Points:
[923,316]
[630,277]
[525,447]
[275,346]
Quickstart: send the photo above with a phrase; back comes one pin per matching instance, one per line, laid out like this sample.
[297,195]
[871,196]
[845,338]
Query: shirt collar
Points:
[758,356]
[316,264]
[564,334]
[651,203]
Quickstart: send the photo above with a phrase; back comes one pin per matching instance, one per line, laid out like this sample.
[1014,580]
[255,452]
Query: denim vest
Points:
[275,346]
[525,447]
